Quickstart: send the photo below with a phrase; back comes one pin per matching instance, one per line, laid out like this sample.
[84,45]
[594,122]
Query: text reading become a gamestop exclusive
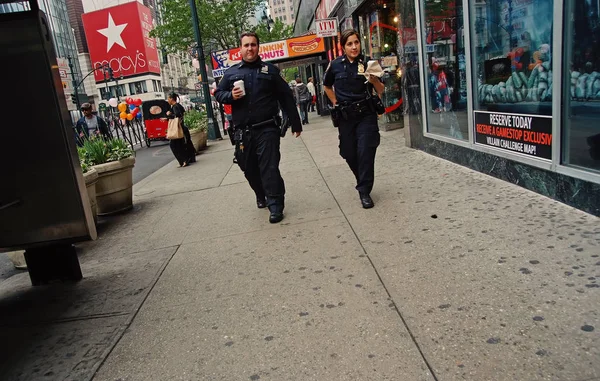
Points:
[517,129]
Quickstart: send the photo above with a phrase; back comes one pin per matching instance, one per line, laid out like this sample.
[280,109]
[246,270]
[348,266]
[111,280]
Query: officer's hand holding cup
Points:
[238,89]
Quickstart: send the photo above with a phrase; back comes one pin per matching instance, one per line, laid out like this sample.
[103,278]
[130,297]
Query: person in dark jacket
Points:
[90,125]
[182,149]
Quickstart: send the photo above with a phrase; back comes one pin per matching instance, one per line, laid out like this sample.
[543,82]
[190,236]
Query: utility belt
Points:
[358,107]
[351,110]
[240,132]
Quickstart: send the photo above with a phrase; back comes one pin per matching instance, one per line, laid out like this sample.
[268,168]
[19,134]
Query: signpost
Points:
[327,27]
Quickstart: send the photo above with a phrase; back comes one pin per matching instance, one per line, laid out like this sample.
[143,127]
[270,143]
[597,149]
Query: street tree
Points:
[273,31]
[221,23]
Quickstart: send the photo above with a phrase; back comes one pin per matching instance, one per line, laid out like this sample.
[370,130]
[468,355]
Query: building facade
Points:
[282,10]
[63,39]
[510,88]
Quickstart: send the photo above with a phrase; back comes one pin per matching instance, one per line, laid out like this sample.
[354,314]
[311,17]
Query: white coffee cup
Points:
[240,84]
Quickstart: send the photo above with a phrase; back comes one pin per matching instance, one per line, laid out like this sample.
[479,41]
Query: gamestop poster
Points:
[526,134]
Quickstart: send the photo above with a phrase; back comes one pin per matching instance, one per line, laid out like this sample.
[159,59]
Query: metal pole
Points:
[213,129]
[74,85]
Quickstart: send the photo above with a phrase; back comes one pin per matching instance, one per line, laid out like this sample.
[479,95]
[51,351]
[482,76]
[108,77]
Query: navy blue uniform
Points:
[265,91]
[358,129]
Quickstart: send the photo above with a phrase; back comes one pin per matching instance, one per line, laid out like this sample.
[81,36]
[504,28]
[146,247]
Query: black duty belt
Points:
[265,123]
[358,107]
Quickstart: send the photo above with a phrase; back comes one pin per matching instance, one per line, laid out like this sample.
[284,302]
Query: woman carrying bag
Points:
[178,134]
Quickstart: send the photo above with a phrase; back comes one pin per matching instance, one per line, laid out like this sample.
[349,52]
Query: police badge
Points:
[361,68]
[264,69]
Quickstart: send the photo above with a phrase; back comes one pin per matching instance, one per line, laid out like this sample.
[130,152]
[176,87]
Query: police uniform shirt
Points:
[265,91]
[344,75]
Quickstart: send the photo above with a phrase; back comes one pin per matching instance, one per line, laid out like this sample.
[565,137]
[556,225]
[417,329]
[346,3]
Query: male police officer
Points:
[257,135]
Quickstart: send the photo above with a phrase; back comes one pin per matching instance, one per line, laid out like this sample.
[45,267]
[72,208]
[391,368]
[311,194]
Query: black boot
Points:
[366,201]
[261,203]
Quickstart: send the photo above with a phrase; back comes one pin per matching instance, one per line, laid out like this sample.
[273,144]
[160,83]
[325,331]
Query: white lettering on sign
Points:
[125,63]
[327,27]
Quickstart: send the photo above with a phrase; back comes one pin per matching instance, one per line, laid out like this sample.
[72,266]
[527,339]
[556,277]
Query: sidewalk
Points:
[454,275]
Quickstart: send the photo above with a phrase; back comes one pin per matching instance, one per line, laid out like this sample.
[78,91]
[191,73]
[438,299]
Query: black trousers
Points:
[189,146]
[359,139]
[260,163]
[179,149]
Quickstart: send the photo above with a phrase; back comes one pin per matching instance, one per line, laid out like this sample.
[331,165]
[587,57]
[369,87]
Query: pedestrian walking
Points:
[183,149]
[303,99]
[348,92]
[255,89]
[313,94]
[90,125]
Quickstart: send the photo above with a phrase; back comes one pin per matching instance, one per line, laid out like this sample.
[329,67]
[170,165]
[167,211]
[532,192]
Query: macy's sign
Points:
[125,64]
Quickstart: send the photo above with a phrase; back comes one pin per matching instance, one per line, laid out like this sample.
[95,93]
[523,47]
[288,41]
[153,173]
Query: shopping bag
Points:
[174,130]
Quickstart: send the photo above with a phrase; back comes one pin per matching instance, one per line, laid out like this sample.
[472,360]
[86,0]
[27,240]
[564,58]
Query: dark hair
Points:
[346,35]
[250,34]
[174,96]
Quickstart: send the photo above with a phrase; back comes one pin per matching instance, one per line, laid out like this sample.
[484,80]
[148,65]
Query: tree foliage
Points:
[221,23]
[278,31]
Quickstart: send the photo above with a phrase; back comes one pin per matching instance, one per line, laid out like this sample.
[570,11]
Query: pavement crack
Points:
[132,317]
[67,320]
[406,326]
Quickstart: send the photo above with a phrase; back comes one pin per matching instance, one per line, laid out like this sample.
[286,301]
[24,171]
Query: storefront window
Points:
[513,75]
[581,115]
[446,85]
[379,27]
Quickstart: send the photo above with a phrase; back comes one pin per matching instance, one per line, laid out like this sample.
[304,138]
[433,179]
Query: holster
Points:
[241,139]
[336,114]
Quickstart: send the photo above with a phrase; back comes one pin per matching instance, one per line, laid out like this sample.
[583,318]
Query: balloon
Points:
[139,116]
[113,102]
[137,102]
[131,106]
[123,115]
[135,110]
[122,106]
[129,116]
[129,100]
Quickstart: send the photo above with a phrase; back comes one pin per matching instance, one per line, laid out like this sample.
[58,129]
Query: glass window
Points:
[138,87]
[513,75]
[581,71]
[380,39]
[446,85]
[284,17]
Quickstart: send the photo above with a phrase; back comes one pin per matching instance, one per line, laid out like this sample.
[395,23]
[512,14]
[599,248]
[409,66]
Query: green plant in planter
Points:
[195,120]
[98,150]
[85,166]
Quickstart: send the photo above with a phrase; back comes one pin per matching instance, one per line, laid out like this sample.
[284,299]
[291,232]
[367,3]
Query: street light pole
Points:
[74,85]
[213,129]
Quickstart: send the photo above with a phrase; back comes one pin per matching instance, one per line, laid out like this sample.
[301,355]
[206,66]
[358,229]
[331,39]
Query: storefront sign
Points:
[120,37]
[527,134]
[270,51]
[327,27]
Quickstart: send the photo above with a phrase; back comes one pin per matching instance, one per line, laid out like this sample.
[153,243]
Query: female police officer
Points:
[358,131]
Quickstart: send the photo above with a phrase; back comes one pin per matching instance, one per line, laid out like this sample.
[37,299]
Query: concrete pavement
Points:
[454,275]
